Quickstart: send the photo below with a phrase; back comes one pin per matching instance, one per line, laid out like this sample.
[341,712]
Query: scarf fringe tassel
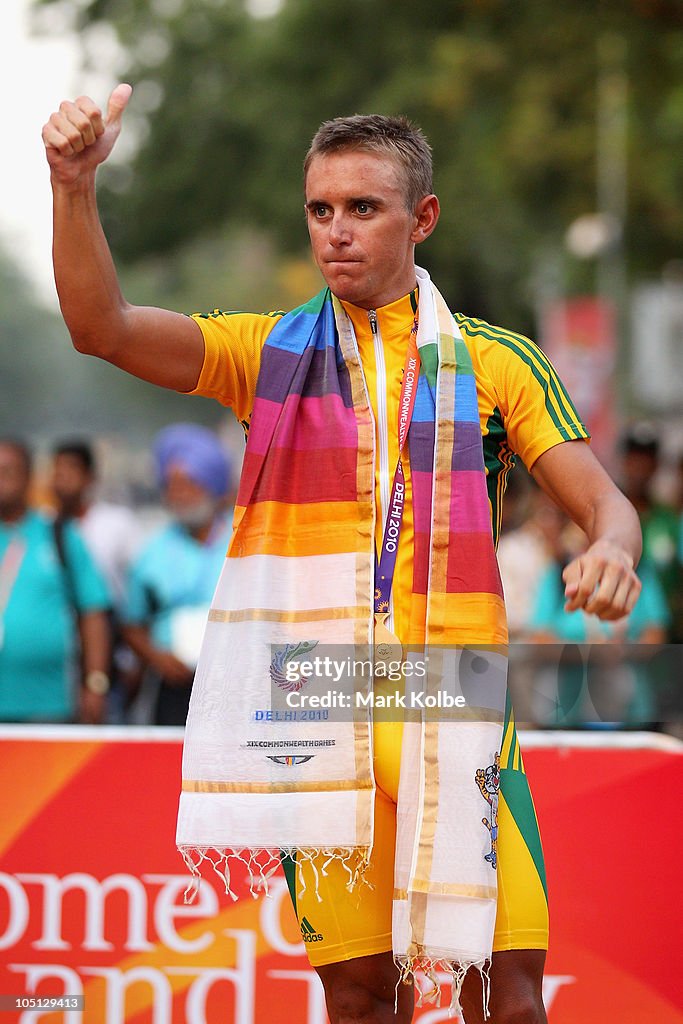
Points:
[440,972]
[261,864]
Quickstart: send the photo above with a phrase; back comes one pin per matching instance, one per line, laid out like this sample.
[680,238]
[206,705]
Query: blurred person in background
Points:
[173,578]
[598,674]
[524,555]
[678,603]
[640,462]
[112,535]
[54,634]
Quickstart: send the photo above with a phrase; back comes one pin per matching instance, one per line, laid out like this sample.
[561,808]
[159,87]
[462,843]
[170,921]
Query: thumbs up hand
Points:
[78,138]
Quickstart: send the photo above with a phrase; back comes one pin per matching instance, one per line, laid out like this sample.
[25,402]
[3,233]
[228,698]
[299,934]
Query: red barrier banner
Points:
[91,890]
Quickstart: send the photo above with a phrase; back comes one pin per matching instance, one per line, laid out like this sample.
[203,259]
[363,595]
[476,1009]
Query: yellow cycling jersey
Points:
[524,411]
[523,408]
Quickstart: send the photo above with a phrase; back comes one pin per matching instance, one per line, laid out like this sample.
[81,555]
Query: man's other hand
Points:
[78,138]
[602,581]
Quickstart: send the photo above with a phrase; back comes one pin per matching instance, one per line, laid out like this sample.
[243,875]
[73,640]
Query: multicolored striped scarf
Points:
[299,572]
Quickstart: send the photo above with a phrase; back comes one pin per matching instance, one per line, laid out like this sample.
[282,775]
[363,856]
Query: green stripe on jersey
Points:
[542,370]
[514,787]
[289,867]
[498,461]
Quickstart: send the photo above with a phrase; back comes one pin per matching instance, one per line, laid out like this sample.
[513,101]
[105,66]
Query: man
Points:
[641,457]
[111,533]
[173,577]
[322,405]
[46,581]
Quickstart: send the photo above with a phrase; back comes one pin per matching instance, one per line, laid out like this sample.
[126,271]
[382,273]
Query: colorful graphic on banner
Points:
[579,337]
[91,892]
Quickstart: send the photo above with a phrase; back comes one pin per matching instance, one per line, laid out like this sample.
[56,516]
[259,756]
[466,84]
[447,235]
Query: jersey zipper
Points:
[383,429]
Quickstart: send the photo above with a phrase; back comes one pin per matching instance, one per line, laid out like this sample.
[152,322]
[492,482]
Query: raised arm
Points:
[602,580]
[157,345]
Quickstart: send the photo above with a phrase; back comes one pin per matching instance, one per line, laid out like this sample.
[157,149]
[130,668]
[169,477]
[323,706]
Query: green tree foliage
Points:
[32,343]
[49,390]
[506,91]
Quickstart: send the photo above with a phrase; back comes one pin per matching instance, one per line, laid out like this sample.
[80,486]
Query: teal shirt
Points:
[38,642]
[581,696]
[549,612]
[174,571]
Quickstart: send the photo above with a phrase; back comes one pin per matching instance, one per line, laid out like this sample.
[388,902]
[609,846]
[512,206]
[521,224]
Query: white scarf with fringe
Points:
[293,581]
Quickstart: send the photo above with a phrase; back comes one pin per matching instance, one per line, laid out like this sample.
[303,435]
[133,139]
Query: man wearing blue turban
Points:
[172,581]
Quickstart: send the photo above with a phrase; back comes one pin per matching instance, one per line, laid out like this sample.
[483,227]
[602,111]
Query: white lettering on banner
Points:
[119,981]
[35,973]
[440,1017]
[242,976]
[18,916]
[203,980]
[552,983]
[271,917]
[316,996]
[167,910]
[95,892]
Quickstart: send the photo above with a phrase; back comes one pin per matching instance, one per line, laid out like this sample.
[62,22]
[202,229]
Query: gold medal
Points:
[388,647]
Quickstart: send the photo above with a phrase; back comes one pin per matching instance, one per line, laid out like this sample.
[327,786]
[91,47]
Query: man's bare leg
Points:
[516,990]
[363,991]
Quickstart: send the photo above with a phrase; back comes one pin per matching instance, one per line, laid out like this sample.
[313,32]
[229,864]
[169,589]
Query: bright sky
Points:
[35,75]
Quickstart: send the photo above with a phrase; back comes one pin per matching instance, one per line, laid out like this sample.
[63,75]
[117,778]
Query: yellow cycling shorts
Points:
[342,925]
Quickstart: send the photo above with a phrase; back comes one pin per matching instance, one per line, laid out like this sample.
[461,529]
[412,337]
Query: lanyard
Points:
[9,570]
[384,569]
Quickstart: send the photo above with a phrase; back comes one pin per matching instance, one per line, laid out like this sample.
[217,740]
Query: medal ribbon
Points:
[384,570]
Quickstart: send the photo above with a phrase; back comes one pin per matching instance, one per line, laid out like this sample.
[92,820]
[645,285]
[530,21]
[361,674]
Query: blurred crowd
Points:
[102,609]
[101,615]
[569,669]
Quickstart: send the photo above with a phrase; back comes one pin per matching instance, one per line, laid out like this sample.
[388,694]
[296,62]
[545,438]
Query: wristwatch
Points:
[97,682]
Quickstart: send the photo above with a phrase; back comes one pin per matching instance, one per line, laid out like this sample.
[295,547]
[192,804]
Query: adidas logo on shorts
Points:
[308,932]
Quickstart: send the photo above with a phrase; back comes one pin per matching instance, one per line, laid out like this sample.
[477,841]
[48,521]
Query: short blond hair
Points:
[398,137]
